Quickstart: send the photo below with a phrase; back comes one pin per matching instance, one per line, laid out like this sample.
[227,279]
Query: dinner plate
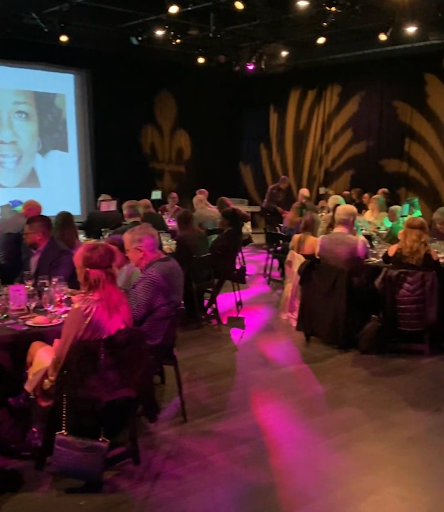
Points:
[54,322]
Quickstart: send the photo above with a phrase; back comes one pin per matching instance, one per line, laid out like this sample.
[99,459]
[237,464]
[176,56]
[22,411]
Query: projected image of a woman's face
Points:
[19,136]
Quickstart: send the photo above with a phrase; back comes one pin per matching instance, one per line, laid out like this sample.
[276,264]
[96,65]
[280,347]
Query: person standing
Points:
[274,202]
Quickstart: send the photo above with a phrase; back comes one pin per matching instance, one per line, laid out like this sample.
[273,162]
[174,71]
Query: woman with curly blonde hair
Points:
[413,250]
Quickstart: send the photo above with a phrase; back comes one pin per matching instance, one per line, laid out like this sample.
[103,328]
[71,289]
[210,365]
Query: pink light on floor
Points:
[256,318]
[295,452]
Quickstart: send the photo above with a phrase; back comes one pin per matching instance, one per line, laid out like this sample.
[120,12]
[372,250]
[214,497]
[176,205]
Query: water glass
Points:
[33,300]
[48,300]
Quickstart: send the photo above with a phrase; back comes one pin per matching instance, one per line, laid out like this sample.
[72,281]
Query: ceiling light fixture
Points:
[173,9]
[178,40]
[411,28]
[302,3]
[64,38]
[240,6]
[383,36]
[321,40]
[201,60]
[285,53]
[160,32]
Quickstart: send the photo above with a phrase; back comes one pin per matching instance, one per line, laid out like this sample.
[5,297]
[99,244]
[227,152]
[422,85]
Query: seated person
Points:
[414,207]
[437,231]
[328,222]
[376,214]
[273,205]
[11,241]
[204,193]
[413,252]
[205,217]
[99,312]
[223,203]
[98,220]
[227,245]
[190,241]
[343,248]
[65,231]
[394,223]
[357,201]
[132,215]
[127,273]
[306,243]
[172,208]
[44,256]
[292,222]
[156,296]
[150,216]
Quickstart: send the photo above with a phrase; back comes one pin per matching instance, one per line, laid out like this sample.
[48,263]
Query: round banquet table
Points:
[14,346]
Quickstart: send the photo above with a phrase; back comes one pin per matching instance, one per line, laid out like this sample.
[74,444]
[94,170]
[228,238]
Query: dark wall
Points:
[123,90]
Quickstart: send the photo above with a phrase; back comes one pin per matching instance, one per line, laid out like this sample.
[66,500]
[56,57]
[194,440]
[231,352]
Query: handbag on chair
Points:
[77,457]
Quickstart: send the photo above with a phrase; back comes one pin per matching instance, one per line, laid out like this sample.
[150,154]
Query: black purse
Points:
[77,457]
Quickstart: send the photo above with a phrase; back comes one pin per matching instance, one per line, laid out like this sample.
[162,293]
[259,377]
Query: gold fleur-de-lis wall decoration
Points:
[167,146]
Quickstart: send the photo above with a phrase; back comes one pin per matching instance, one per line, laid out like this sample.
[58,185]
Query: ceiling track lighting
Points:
[64,38]
[321,40]
[159,32]
[302,4]
[411,28]
[201,60]
[240,6]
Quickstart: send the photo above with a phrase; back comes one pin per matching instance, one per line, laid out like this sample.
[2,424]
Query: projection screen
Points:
[44,139]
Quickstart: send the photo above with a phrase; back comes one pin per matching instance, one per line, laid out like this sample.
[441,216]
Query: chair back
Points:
[410,299]
[277,239]
[201,271]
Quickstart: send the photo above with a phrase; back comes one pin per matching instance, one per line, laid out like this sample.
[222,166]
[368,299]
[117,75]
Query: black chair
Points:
[279,251]
[269,249]
[409,301]
[239,277]
[168,357]
[103,391]
[203,283]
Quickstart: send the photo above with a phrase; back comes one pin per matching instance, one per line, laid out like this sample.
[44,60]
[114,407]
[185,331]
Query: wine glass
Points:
[33,300]
[4,304]
[28,279]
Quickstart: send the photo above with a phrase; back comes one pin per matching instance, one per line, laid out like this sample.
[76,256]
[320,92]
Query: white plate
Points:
[54,322]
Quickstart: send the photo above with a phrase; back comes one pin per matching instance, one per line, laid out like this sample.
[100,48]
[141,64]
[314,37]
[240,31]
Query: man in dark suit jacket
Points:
[133,217]
[150,216]
[44,256]
[98,220]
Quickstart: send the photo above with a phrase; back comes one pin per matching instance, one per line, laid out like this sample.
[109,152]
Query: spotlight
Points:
[173,9]
[383,36]
[64,38]
[251,66]
[178,40]
[302,3]
[160,32]
[411,28]
[285,53]
[240,6]
[201,60]
[321,40]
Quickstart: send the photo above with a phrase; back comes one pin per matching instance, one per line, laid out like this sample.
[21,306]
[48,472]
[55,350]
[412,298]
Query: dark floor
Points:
[277,426]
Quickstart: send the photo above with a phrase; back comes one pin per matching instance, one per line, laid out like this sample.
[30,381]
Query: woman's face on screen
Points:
[19,136]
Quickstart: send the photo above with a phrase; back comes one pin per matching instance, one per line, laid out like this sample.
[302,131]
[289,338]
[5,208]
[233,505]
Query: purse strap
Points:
[65,402]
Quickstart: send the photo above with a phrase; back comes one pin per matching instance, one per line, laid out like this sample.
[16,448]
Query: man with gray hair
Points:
[157,294]
[150,216]
[132,214]
[343,247]
[437,231]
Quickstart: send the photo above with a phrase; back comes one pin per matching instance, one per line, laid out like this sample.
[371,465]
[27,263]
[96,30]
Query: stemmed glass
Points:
[33,300]
[48,300]
[28,279]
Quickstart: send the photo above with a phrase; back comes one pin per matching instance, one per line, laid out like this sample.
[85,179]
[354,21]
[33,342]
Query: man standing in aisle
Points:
[274,203]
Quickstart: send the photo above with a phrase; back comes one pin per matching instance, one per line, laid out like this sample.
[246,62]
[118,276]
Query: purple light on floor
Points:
[250,66]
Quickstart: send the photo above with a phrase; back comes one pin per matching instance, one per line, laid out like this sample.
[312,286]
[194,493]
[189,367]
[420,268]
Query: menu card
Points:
[17,296]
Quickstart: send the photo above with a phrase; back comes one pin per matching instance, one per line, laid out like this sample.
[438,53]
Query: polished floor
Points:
[275,425]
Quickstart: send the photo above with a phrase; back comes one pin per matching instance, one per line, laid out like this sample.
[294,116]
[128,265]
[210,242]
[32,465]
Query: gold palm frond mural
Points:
[421,171]
[311,142]
[167,146]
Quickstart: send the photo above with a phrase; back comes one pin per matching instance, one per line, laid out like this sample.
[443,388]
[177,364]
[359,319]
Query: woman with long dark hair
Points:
[65,231]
